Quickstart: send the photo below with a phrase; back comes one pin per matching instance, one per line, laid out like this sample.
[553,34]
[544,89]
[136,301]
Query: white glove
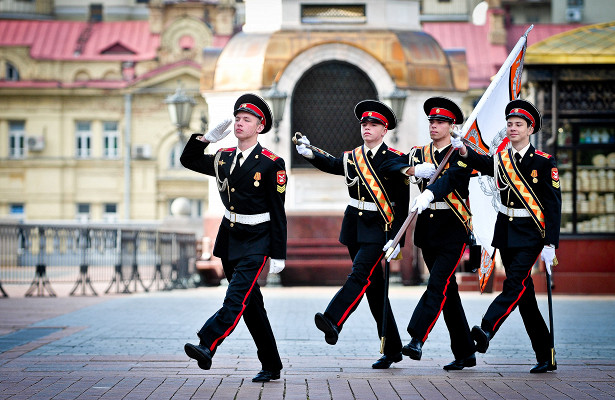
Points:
[548,255]
[276,265]
[395,251]
[457,142]
[421,202]
[424,170]
[303,149]
[219,131]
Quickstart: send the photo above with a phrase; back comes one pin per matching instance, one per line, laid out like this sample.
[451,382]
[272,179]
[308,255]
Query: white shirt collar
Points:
[522,151]
[246,153]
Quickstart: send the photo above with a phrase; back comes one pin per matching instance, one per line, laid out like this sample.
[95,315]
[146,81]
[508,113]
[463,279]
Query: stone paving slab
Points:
[131,347]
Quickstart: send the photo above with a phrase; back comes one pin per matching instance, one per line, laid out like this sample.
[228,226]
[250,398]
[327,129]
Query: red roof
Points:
[72,40]
[484,59]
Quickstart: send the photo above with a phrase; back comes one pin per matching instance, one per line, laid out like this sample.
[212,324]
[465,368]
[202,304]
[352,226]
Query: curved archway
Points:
[322,106]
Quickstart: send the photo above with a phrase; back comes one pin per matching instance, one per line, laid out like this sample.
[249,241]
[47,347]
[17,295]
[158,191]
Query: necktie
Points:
[518,158]
[369,154]
[237,162]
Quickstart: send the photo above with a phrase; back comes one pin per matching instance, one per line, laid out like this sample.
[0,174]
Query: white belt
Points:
[514,212]
[363,205]
[247,219]
[439,205]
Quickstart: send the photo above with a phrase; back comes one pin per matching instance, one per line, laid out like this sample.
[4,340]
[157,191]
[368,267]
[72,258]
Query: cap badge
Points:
[369,113]
[243,105]
[437,111]
[516,110]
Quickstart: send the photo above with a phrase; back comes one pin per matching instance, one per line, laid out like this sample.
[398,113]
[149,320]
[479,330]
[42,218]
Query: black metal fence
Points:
[125,257]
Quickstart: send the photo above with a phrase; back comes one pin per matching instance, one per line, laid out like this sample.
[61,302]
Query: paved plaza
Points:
[131,347]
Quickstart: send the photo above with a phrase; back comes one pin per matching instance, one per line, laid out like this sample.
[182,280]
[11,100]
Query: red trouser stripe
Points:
[448,281]
[243,308]
[341,321]
[514,303]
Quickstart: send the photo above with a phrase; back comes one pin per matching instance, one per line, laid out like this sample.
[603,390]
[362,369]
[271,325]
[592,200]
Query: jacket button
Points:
[232,224]
[512,203]
[232,189]
[232,207]
[360,212]
[362,198]
[430,215]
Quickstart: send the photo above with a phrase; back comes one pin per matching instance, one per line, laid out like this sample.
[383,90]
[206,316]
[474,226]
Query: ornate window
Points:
[111,138]
[11,72]
[83,139]
[17,139]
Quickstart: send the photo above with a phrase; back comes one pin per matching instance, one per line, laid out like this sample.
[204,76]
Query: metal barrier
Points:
[123,256]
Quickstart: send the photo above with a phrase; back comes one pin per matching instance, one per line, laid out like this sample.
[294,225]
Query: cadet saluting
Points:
[376,206]
[252,185]
[527,226]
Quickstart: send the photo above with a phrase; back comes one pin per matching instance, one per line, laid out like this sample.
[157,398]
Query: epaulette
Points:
[348,152]
[230,149]
[399,153]
[542,153]
[267,153]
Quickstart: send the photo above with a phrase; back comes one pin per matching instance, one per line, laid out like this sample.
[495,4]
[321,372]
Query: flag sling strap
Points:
[376,189]
[519,186]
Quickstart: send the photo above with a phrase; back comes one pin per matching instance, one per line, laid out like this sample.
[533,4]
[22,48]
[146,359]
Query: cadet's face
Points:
[439,130]
[518,132]
[247,125]
[372,133]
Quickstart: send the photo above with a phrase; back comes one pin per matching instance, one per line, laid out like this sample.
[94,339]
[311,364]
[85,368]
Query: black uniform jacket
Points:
[362,226]
[437,226]
[259,186]
[540,172]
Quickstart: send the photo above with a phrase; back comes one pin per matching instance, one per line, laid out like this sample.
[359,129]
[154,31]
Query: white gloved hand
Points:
[548,255]
[276,265]
[219,131]
[421,202]
[424,170]
[457,142]
[395,251]
[303,149]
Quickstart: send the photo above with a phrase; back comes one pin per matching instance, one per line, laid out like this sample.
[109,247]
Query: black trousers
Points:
[518,290]
[367,277]
[442,296]
[243,298]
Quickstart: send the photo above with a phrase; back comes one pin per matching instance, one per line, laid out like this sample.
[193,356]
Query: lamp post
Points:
[398,101]
[278,102]
[180,110]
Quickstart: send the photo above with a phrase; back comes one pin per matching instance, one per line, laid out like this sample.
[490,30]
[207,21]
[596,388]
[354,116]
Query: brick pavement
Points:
[131,347]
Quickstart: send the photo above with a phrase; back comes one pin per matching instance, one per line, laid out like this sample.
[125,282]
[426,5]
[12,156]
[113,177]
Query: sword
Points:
[385,308]
[550,299]
[296,139]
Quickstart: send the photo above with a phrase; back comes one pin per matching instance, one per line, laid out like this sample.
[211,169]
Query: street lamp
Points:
[398,101]
[278,102]
[180,110]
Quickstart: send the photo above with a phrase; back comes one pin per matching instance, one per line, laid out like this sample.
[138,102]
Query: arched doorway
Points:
[322,107]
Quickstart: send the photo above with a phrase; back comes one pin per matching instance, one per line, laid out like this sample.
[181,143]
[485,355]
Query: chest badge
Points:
[534,175]
[221,163]
[257,178]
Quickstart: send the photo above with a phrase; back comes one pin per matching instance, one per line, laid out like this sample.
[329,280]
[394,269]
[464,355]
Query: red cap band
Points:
[442,112]
[374,114]
[521,111]
[255,109]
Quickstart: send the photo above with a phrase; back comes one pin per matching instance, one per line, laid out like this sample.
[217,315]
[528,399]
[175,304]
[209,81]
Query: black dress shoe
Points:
[414,349]
[200,353]
[481,338]
[266,376]
[542,367]
[458,365]
[329,328]
[385,361]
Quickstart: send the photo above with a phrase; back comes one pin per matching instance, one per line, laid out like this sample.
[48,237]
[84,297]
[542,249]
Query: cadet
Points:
[252,185]
[442,234]
[377,207]
[527,226]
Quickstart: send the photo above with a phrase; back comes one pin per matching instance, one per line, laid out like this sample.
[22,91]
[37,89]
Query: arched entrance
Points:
[322,107]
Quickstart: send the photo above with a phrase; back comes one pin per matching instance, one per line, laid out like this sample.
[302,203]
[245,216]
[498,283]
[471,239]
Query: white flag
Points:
[485,128]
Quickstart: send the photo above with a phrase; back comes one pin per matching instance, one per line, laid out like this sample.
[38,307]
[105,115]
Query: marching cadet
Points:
[527,226]
[252,185]
[442,234]
[377,208]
